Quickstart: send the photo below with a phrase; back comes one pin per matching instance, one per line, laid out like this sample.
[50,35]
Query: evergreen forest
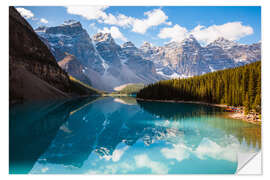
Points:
[240,86]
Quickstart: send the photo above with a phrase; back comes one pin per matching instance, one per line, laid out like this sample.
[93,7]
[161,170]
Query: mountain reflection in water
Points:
[121,136]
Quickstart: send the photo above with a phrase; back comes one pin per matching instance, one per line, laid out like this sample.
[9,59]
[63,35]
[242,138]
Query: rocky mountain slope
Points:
[189,58]
[33,71]
[108,65]
[103,62]
[74,68]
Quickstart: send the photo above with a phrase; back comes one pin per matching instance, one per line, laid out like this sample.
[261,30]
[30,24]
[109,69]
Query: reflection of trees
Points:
[32,127]
[178,110]
[92,130]
[247,132]
[243,131]
[102,125]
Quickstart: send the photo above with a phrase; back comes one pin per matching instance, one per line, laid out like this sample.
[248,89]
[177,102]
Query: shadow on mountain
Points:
[32,127]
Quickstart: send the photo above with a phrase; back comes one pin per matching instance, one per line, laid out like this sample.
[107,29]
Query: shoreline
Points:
[250,118]
[182,101]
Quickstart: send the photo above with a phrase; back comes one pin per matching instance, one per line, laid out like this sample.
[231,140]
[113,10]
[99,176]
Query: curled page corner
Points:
[249,163]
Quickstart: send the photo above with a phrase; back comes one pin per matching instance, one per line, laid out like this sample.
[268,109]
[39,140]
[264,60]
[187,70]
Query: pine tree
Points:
[239,86]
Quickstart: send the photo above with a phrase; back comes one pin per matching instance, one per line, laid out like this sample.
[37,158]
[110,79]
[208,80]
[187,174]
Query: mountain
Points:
[240,53]
[74,68]
[122,64]
[102,60]
[33,71]
[144,69]
[189,58]
[107,65]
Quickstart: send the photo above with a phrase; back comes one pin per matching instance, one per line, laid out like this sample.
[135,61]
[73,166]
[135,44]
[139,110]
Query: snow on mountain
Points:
[109,65]
[104,62]
[189,58]
[223,43]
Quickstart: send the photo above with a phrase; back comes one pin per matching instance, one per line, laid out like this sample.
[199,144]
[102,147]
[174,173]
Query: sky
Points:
[155,24]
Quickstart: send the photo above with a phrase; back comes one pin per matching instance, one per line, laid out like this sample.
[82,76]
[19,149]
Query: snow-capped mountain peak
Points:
[103,37]
[108,64]
[146,45]
[173,45]
[128,44]
[190,41]
[130,49]
[223,43]
[190,38]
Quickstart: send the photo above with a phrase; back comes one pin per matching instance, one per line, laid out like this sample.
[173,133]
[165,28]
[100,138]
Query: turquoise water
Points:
[123,136]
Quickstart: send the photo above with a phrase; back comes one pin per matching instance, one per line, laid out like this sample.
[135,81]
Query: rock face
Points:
[143,68]
[33,71]
[70,37]
[189,58]
[103,62]
[107,64]
[74,68]
[241,54]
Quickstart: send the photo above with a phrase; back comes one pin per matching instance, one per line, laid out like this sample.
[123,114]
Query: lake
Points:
[105,135]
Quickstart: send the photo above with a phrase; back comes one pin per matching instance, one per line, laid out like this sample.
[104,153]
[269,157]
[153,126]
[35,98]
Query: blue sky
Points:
[157,25]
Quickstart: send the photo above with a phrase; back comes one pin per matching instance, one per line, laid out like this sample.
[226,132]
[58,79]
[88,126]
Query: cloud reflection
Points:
[143,161]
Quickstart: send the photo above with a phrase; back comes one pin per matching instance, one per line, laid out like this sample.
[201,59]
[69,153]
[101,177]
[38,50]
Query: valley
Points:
[97,65]
[81,101]
[104,64]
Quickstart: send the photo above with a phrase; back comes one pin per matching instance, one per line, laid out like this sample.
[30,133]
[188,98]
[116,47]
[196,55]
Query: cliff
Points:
[33,71]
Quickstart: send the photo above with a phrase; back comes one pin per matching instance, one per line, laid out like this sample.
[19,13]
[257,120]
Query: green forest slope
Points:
[131,88]
[83,88]
[239,86]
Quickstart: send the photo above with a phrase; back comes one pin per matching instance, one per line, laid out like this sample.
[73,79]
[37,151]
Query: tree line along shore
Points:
[236,88]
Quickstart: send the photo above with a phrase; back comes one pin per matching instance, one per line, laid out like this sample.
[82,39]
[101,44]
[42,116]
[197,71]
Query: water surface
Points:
[123,136]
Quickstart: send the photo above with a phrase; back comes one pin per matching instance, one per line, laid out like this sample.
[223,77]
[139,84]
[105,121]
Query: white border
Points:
[138,2]
[265,79]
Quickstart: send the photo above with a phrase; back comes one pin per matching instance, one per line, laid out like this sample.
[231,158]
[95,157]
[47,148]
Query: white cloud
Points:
[115,32]
[169,23]
[175,33]
[114,168]
[178,152]
[43,20]
[153,18]
[144,161]
[231,31]
[120,20]
[88,12]
[93,28]
[27,14]
[208,148]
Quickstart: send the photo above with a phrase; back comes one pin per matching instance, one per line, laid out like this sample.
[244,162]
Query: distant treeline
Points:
[131,88]
[239,86]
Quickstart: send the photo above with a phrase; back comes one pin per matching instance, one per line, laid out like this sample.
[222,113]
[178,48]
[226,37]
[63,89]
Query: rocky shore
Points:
[250,117]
